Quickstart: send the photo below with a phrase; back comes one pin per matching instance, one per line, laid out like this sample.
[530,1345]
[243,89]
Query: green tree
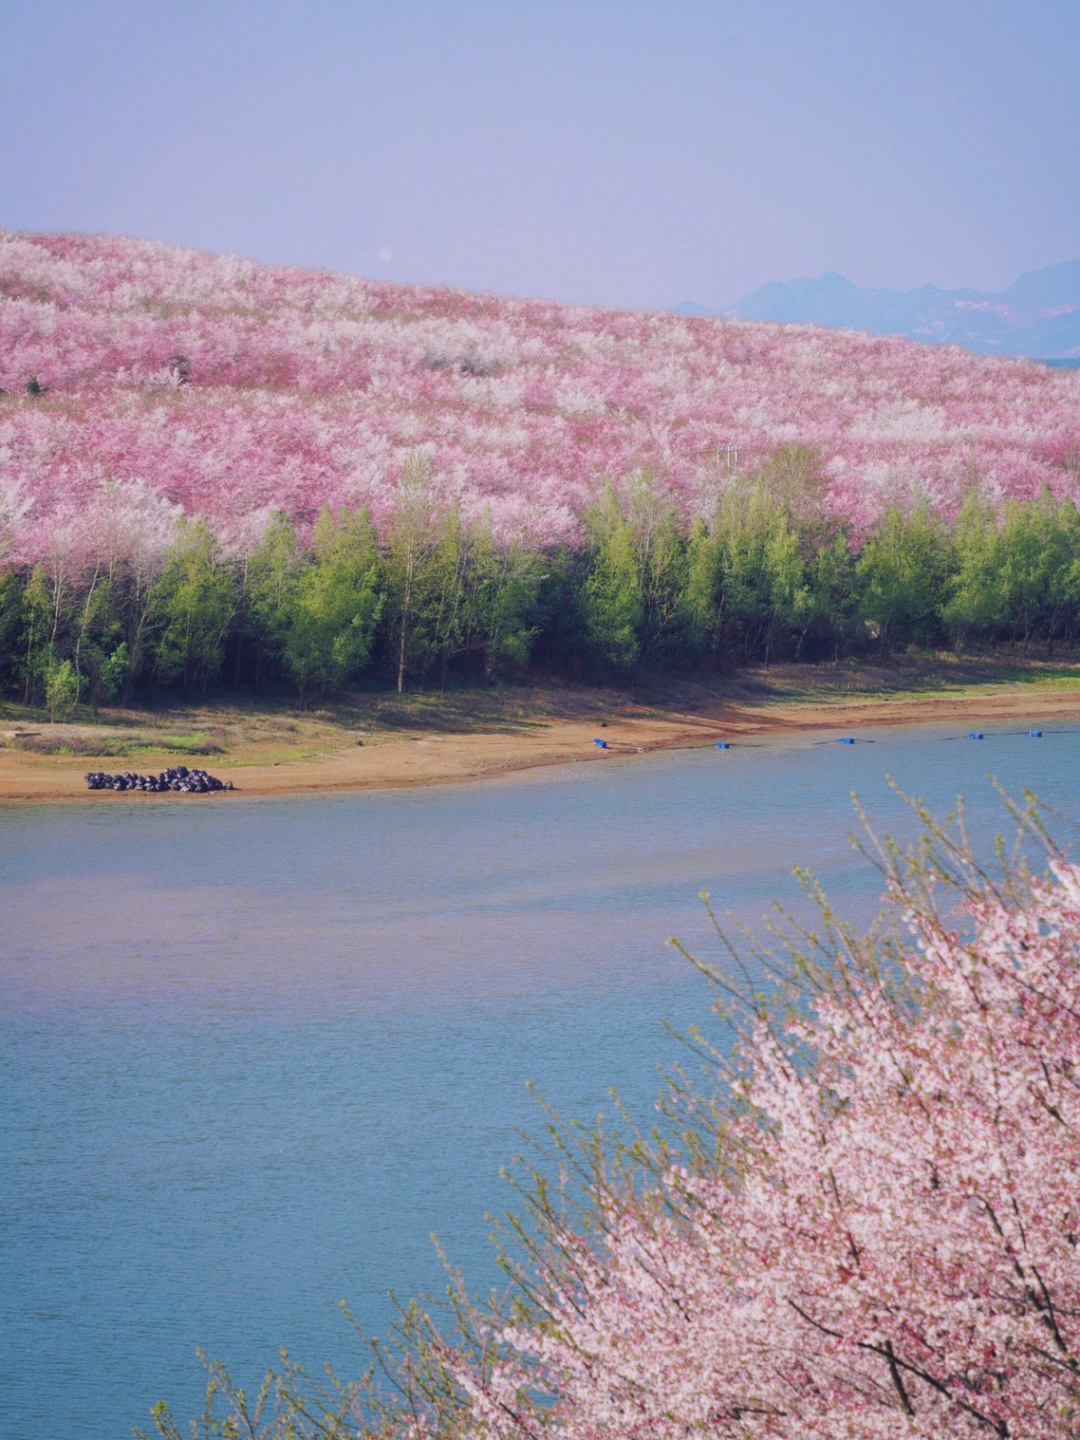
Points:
[335,604]
[763,593]
[61,688]
[901,574]
[611,598]
[34,646]
[698,603]
[1057,552]
[412,534]
[440,629]
[1038,548]
[560,642]
[11,626]
[269,590]
[112,672]
[661,563]
[1065,584]
[831,581]
[975,594]
[501,602]
[193,603]
[788,602]
[100,653]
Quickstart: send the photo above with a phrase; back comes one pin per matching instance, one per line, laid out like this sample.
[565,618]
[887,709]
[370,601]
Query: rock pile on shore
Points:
[189,782]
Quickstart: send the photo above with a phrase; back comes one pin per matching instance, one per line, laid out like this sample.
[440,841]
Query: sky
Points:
[621,153]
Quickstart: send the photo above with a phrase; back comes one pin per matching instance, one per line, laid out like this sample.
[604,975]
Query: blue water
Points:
[252,1053]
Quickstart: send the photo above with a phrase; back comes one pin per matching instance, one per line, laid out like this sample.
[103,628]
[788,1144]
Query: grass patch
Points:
[908,677]
[175,744]
[117,747]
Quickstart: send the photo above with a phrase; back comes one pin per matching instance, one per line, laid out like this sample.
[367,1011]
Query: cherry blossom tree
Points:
[866,1228]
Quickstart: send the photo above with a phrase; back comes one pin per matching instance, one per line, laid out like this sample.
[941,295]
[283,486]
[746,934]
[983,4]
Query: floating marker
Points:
[1036,734]
[601,743]
[723,744]
[975,734]
[847,739]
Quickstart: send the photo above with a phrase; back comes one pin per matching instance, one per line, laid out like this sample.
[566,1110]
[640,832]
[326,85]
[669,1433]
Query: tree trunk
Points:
[82,633]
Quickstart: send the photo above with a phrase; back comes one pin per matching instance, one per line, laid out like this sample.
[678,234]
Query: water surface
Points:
[253,1052]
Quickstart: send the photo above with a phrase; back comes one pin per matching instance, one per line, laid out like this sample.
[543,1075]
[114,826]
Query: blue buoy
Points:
[847,740]
[723,744]
[975,734]
[1037,734]
[601,743]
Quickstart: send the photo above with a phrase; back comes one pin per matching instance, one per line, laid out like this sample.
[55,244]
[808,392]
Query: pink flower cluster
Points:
[228,389]
[885,1242]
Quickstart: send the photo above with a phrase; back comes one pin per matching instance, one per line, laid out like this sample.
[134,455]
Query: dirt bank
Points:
[423,743]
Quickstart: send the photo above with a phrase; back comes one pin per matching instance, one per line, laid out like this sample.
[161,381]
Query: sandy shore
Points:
[399,758]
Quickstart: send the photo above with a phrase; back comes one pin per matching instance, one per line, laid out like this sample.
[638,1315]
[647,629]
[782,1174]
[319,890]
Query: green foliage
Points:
[269,595]
[975,596]
[192,605]
[612,601]
[61,688]
[37,617]
[1065,580]
[99,650]
[764,574]
[831,580]
[762,595]
[699,607]
[411,538]
[901,574]
[11,625]
[439,631]
[113,671]
[631,597]
[452,596]
[333,602]
[559,643]
[789,602]
[1040,555]
[501,618]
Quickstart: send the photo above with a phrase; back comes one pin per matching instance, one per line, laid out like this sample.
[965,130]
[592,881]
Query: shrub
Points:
[61,688]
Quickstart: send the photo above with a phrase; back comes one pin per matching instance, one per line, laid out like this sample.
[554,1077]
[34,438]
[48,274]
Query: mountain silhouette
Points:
[1037,316]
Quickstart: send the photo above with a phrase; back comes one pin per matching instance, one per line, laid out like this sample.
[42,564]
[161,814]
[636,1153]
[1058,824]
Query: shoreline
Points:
[416,757]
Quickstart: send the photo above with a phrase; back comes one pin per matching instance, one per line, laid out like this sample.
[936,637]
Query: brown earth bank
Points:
[386,741]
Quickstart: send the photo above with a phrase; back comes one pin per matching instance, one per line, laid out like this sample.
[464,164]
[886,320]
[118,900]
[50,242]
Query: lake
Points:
[255,1051]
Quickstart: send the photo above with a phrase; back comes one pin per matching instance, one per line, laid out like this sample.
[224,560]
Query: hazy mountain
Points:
[1038,315]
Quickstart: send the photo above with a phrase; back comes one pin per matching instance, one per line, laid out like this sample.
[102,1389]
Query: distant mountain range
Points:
[1037,316]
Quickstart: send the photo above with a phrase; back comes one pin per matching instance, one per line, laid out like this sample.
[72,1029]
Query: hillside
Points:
[139,380]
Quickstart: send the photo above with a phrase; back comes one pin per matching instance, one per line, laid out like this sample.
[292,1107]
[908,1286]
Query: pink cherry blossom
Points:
[876,1232]
[229,388]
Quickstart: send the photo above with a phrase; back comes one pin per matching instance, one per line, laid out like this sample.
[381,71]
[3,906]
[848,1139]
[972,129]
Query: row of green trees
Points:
[767,576]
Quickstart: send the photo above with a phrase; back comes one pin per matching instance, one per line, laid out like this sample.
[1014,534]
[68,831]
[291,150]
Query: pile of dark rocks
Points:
[187,782]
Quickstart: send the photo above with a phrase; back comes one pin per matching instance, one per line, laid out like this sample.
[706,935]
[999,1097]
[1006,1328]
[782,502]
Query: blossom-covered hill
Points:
[138,380]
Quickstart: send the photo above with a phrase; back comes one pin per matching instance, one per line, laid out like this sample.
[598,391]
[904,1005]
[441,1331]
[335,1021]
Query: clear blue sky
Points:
[613,152]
